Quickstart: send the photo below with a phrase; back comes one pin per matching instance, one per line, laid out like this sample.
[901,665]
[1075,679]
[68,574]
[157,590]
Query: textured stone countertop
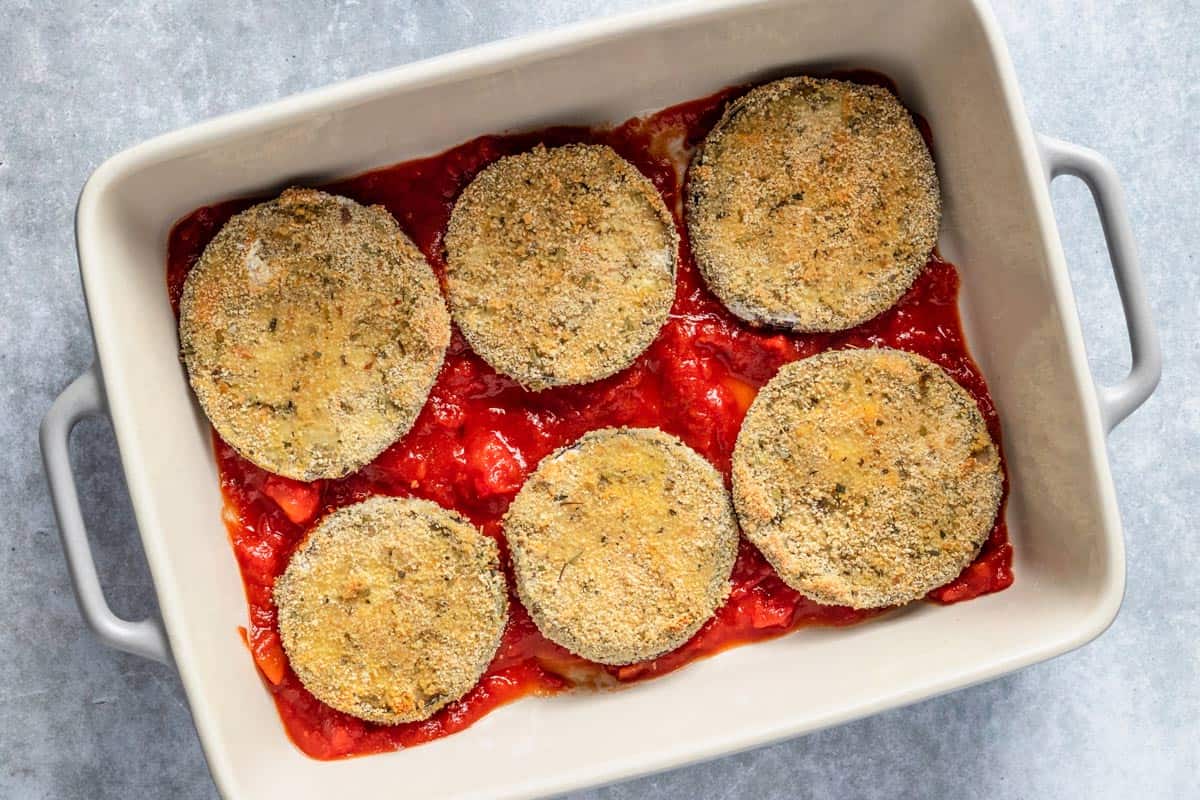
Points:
[80,81]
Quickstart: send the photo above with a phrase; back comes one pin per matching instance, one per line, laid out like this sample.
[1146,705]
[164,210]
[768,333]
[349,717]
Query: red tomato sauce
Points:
[480,435]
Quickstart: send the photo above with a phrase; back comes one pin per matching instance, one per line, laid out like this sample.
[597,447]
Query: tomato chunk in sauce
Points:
[480,435]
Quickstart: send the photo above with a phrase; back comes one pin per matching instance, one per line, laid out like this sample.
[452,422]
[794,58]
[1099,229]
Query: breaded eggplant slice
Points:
[560,264]
[391,608]
[866,477]
[622,544]
[813,204]
[312,330]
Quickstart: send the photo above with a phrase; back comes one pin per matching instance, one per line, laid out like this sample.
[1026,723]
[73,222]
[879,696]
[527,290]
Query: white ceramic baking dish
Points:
[950,64]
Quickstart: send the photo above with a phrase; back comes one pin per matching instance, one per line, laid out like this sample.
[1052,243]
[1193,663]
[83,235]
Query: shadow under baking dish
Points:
[480,433]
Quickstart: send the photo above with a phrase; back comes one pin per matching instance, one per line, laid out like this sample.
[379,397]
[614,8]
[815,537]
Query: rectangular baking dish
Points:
[950,64]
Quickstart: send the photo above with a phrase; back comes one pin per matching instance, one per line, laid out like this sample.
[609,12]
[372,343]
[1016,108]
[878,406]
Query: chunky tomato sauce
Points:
[480,435]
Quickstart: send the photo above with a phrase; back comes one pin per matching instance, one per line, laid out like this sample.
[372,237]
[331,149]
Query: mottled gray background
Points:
[1118,719]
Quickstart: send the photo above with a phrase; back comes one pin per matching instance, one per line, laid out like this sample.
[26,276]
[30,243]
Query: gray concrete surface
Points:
[80,81]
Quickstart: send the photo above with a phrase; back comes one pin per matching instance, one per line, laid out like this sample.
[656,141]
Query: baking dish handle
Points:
[84,398]
[1062,158]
